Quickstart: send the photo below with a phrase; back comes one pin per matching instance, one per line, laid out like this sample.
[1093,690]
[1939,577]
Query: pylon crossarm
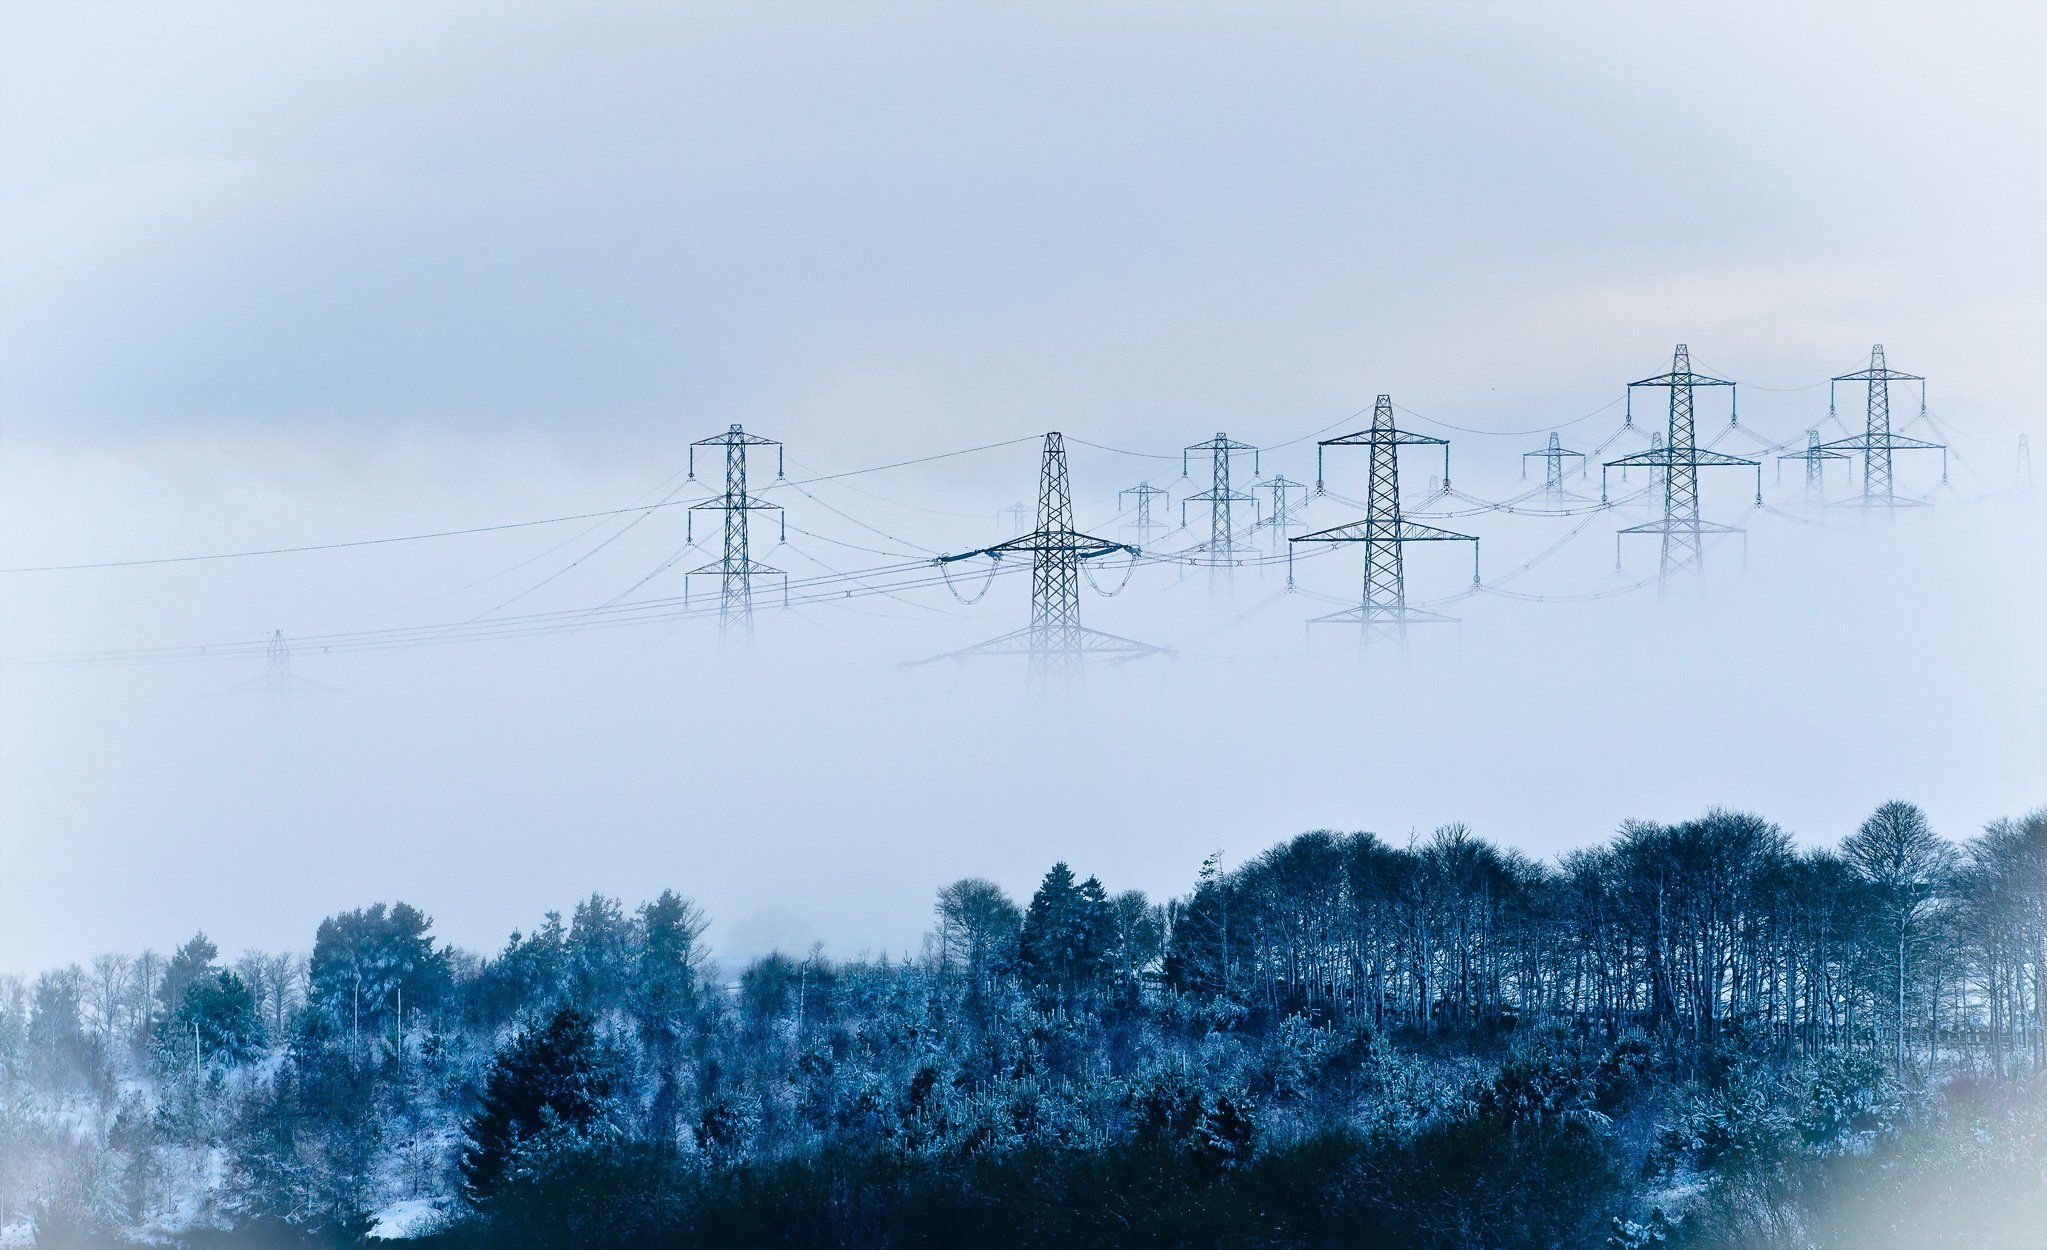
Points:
[994,552]
[731,438]
[1666,527]
[1402,531]
[717,567]
[1681,379]
[1062,542]
[1879,375]
[1896,442]
[1374,438]
[1664,458]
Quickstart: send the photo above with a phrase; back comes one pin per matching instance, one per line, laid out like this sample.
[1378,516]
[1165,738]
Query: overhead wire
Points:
[303,548]
[1540,429]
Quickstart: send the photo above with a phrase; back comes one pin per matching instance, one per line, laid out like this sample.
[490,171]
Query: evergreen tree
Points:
[1068,933]
[192,961]
[547,1084]
[1198,943]
[667,994]
[60,1052]
[364,962]
[219,1013]
[600,951]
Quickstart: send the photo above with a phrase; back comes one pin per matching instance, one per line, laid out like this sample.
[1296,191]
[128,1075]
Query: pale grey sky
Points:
[281,274]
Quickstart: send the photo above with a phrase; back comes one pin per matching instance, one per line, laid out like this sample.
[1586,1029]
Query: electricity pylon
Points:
[1384,614]
[1144,525]
[1679,458]
[736,568]
[1222,543]
[2025,464]
[277,662]
[1281,514]
[1014,516]
[1055,641]
[1657,474]
[1877,440]
[1815,456]
[1553,457]
[278,681]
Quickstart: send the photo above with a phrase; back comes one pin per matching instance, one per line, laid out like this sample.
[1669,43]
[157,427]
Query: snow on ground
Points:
[413,1217]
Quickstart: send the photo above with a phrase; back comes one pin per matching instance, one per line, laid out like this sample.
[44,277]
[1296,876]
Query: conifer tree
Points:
[547,1083]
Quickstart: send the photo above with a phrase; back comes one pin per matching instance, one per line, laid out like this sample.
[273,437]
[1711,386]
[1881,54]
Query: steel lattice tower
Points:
[1222,542]
[1815,457]
[1281,514]
[277,662]
[1553,456]
[1679,458]
[1877,440]
[736,568]
[1384,614]
[278,681]
[1657,473]
[2025,462]
[1144,525]
[1055,641]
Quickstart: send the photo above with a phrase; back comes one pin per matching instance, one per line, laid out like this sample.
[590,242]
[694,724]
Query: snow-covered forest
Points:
[1694,1034]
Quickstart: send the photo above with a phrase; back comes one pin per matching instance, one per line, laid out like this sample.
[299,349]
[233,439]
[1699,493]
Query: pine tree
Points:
[1069,932]
[547,1083]
[218,1012]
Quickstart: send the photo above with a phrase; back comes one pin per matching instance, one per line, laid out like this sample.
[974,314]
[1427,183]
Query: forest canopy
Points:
[1693,1034]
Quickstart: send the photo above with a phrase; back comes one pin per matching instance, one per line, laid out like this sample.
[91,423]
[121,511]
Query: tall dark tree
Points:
[366,962]
[60,1051]
[218,1018]
[668,994]
[1198,949]
[546,1086]
[600,950]
[1068,935]
[193,960]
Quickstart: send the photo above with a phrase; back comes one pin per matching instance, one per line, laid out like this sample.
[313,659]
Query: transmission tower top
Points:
[1553,456]
[1383,612]
[1877,440]
[278,680]
[1142,521]
[1220,496]
[735,568]
[1381,433]
[1680,459]
[733,437]
[1055,641]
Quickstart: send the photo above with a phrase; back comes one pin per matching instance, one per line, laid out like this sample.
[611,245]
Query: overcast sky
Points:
[273,275]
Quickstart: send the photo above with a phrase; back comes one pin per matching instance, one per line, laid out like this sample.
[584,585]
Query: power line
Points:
[1465,429]
[304,548]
